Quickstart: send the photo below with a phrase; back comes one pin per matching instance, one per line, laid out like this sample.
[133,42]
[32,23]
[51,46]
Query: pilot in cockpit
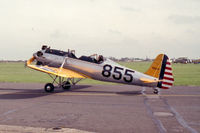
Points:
[100,59]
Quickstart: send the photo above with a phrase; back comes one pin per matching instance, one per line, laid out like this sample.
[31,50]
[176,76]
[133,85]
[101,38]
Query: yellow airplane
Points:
[70,70]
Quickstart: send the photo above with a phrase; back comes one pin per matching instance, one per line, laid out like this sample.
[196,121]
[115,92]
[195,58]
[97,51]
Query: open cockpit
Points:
[71,53]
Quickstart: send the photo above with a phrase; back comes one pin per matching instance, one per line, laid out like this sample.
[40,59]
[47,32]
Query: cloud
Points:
[92,1]
[55,34]
[128,8]
[183,19]
[116,32]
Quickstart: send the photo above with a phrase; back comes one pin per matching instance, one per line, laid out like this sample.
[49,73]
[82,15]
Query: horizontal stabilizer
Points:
[145,80]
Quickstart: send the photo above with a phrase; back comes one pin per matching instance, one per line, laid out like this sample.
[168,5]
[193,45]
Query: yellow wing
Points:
[62,72]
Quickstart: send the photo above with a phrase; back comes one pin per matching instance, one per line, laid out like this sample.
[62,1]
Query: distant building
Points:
[196,61]
[183,60]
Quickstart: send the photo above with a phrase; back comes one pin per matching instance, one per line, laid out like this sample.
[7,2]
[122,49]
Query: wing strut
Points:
[61,67]
[66,77]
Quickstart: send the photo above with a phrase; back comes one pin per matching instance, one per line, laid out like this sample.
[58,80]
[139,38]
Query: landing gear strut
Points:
[62,82]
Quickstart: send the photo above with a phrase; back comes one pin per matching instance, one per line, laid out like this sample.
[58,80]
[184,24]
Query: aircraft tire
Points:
[66,85]
[49,87]
[155,91]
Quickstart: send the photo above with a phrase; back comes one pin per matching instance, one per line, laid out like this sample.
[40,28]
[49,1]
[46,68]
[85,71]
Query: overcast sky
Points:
[118,28]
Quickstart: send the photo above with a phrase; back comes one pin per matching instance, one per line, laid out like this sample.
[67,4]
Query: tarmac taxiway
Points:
[99,108]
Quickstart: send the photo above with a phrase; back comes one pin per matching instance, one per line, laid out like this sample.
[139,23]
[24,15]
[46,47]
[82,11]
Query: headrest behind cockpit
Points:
[44,47]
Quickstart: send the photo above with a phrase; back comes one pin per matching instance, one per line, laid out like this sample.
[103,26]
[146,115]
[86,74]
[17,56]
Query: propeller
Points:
[25,64]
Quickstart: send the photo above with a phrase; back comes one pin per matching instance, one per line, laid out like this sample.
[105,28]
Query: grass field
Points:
[184,74]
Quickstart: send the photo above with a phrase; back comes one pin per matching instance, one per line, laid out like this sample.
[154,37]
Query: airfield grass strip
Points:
[184,74]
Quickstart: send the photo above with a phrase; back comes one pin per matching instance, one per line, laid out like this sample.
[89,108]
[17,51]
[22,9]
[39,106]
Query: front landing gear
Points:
[49,87]
[66,85]
[61,82]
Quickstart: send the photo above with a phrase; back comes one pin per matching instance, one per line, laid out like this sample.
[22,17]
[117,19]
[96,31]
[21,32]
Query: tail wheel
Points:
[155,91]
[49,87]
[66,85]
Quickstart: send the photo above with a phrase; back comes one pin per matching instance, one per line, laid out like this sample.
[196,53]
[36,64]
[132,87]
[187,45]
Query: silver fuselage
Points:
[108,70]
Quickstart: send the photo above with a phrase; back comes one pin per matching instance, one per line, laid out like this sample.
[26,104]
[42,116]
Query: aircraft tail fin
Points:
[161,69]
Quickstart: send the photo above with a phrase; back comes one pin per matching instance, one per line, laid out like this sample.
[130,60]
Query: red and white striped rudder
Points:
[166,75]
[168,79]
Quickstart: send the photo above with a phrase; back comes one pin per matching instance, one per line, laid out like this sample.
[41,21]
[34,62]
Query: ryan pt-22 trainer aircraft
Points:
[70,70]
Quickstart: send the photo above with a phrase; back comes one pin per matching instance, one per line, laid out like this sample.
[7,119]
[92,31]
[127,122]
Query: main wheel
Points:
[66,85]
[49,87]
[155,91]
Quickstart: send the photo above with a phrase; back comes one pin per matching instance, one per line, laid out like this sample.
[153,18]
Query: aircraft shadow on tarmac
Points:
[34,93]
[128,93]
[30,93]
